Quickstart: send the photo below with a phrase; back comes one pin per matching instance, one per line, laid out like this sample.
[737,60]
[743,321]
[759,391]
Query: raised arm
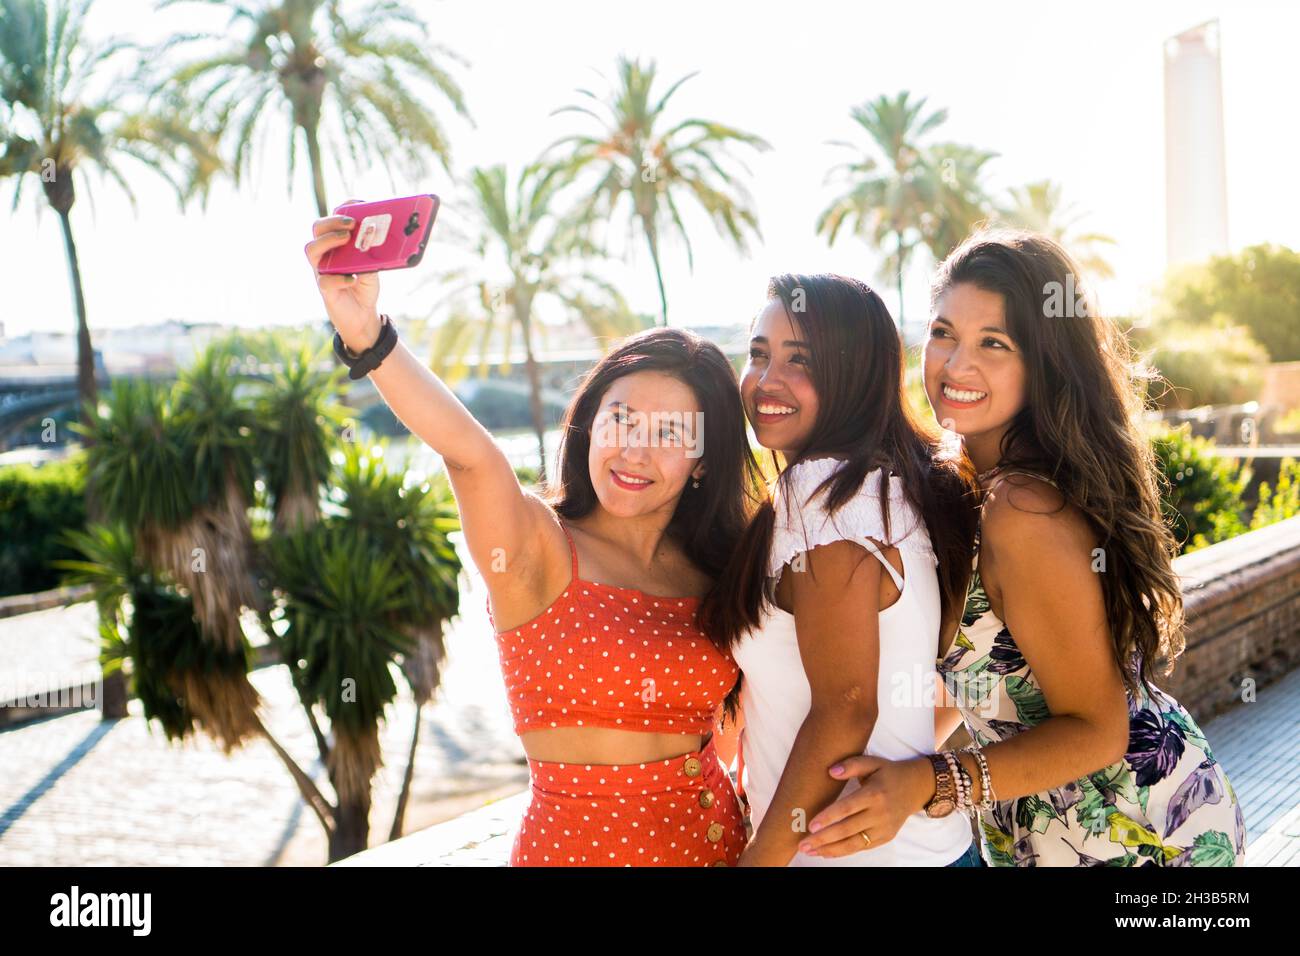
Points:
[512,536]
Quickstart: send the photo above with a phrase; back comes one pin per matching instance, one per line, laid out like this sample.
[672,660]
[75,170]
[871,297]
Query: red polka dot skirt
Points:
[677,812]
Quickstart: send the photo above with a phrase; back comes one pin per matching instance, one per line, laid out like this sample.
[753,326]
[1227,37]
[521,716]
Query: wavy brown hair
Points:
[1080,425]
[709,519]
[864,418]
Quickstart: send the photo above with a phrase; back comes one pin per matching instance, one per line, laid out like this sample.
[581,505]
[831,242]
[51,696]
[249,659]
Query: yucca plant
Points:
[363,590]
[135,447]
[409,523]
[356,593]
[298,422]
[208,550]
[183,681]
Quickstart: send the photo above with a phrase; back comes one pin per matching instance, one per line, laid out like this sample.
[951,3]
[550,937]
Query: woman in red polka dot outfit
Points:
[615,692]
[614,689]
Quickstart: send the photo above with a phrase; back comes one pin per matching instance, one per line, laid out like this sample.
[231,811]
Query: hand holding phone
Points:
[386,234]
[351,300]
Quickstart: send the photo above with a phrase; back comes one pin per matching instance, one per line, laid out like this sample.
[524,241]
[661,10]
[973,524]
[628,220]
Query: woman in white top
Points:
[834,601]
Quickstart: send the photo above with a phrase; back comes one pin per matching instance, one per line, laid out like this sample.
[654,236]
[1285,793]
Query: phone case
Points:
[388,234]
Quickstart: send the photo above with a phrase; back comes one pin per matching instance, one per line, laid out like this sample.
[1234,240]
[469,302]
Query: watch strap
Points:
[362,364]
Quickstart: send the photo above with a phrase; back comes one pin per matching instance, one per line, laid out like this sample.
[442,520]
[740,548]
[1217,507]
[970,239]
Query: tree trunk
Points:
[87,387]
[87,393]
[399,815]
[325,813]
[317,174]
[352,830]
[659,276]
[901,265]
[534,393]
[114,696]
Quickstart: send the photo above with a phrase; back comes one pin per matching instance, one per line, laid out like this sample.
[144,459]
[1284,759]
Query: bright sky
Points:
[1067,91]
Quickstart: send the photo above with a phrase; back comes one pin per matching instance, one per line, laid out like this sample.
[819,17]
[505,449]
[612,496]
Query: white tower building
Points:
[1196,190]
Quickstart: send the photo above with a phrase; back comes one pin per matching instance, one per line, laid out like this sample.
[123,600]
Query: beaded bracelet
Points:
[961,780]
[987,797]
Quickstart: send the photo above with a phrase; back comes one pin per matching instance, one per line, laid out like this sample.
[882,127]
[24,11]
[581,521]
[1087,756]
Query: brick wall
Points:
[1242,601]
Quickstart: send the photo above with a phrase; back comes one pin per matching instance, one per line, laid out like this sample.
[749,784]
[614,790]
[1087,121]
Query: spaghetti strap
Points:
[872,548]
[1031,474]
[573,552]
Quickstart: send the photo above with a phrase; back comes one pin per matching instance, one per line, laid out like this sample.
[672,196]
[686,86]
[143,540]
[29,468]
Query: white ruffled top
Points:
[802,524]
[776,695]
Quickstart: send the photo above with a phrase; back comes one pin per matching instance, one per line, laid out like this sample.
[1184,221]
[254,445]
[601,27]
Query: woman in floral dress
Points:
[1086,762]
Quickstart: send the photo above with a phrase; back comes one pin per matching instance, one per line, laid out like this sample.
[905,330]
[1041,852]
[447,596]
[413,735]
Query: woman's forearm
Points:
[430,410]
[1060,749]
[826,735]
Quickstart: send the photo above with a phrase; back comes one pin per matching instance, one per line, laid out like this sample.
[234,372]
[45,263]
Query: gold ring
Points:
[863,834]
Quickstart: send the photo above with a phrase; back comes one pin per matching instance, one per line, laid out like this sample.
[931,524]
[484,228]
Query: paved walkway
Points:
[79,791]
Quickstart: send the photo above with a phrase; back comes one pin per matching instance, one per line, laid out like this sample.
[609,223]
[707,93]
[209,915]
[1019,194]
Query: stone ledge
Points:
[41,600]
[1242,602]
[481,837]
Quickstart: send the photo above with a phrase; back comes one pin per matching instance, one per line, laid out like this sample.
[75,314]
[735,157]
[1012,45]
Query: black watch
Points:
[359,366]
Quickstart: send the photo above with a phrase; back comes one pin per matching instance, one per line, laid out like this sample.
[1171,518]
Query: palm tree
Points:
[892,184]
[1040,207]
[311,57]
[54,129]
[632,156]
[963,203]
[516,225]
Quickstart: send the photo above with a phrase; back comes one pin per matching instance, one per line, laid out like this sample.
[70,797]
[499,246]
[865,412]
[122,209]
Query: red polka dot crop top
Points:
[608,656]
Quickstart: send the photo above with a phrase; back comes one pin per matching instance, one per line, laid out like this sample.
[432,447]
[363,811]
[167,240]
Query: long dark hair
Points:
[1080,426]
[864,418]
[708,520]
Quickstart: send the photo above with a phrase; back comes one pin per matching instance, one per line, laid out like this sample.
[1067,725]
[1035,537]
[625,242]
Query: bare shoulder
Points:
[1024,515]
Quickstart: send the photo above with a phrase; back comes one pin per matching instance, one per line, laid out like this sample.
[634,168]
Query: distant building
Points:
[1196,185]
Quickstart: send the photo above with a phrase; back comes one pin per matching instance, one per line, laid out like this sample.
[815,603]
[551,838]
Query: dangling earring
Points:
[695,483]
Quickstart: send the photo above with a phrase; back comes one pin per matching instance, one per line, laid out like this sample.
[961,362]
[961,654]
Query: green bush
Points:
[1203,498]
[1278,504]
[37,503]
[1258,287]
[1203,365]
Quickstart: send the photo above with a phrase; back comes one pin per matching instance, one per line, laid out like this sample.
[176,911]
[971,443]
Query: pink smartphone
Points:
[388,234]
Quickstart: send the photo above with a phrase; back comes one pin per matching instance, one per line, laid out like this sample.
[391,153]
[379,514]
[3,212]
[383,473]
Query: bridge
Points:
[29,393]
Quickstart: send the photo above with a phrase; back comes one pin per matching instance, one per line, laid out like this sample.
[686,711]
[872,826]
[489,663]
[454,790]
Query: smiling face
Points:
[776,386]
[646,443]
[974,372]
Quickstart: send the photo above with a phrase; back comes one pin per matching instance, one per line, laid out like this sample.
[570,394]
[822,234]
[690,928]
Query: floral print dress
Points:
[1166,803]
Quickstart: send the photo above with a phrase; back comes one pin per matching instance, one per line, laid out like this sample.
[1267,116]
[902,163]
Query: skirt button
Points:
[715,832]
[706,799]
[692,766]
